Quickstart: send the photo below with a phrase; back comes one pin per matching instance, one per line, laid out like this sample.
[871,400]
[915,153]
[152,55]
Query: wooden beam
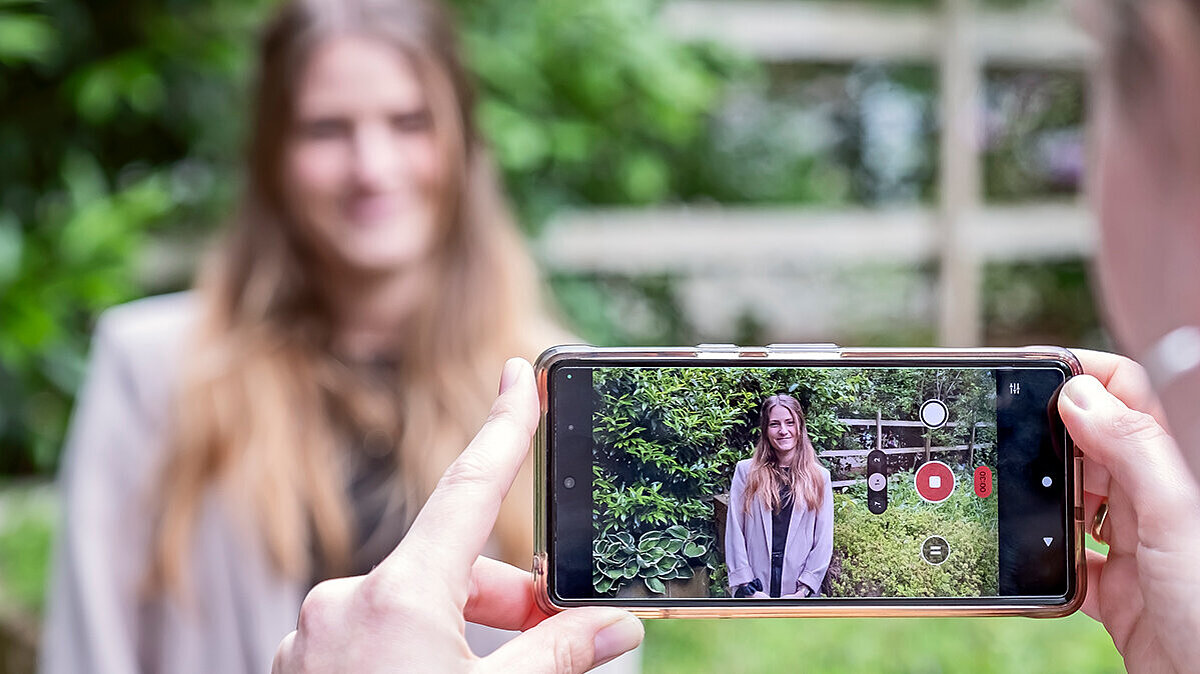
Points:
[712,240]
[1040,36]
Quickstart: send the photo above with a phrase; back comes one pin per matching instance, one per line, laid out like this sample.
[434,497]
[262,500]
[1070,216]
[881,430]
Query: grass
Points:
[1074,644]
[933,645]
[927,645]
[27,519]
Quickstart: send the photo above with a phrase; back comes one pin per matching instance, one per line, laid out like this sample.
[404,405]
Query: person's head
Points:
[783,455]
[363,165]
[783,422]
[1147,179]
[363,142]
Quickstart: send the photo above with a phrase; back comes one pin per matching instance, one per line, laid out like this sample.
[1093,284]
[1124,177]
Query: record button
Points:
[934,481]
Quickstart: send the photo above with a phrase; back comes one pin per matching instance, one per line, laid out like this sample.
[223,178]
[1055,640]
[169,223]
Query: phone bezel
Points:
[813,355]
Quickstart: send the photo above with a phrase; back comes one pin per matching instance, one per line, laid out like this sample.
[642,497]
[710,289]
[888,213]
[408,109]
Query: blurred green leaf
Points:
[25,37]
[11,241]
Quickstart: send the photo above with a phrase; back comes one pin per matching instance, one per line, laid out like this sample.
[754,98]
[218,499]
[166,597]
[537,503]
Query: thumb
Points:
[573,641]
[1137,452]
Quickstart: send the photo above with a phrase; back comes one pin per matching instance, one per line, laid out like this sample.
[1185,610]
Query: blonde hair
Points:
[264,401]
[766,474]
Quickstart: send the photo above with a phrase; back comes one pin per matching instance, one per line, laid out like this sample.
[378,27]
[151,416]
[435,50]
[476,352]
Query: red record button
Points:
[983,482]
[934,481]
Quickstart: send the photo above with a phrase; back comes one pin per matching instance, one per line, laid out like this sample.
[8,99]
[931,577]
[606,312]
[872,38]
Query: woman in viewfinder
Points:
[779,528]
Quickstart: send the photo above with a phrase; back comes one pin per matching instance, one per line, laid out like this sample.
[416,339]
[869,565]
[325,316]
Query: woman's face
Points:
[782,430]
[361,166]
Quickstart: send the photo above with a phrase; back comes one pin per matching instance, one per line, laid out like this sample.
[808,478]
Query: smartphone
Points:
[807,480]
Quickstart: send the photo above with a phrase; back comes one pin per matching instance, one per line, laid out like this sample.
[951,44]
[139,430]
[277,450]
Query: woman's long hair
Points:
[265,404]
[767,474]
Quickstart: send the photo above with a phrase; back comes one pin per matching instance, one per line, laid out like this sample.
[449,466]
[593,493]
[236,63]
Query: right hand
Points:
[408,613]
[1146,591]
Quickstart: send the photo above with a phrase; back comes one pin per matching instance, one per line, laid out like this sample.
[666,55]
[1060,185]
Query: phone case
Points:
[779,354]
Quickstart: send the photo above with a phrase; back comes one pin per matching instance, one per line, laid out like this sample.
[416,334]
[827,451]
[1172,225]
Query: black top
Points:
[371,479]
[780,520]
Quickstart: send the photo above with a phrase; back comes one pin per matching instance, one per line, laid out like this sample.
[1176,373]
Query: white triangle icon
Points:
[1048,540]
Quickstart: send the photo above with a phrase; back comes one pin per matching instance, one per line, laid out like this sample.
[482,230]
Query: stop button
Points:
[934,481]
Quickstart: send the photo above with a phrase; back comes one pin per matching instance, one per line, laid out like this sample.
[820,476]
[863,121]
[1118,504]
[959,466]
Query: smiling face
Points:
[783,431]
[361,164]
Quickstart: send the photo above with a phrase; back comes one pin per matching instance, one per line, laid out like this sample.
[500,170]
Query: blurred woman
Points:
[779,526]
[283,422]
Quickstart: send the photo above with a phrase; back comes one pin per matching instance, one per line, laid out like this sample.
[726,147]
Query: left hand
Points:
[408,613]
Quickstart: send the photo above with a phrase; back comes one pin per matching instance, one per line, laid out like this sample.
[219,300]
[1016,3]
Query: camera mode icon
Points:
[935,550]
[877,499]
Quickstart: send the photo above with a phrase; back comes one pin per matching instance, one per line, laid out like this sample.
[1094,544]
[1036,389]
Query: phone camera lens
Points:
[569,483]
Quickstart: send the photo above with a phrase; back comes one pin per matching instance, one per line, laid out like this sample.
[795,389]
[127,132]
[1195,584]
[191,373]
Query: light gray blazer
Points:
[748,538]
[98,617]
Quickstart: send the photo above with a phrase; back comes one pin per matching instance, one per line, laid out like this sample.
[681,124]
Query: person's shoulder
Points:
[743,466]
[826,476]
[148,324]
[143,343]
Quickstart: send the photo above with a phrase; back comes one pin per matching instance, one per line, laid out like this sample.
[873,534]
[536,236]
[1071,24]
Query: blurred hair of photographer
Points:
[283,422]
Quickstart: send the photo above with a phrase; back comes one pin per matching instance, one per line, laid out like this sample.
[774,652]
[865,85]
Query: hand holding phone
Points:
[1145,590]
[883,482]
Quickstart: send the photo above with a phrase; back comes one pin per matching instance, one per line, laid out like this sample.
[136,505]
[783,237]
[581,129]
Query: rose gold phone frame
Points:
[780,355]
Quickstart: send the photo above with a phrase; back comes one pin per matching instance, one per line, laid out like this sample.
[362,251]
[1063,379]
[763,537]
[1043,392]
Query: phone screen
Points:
[724,482]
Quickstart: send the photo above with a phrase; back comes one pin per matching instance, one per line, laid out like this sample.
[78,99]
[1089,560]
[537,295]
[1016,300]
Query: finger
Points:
[572,641]
[1136,451]
[1095,569]
[1096,478]
[501,595]
[457,519]
[284,655]
[1125,379]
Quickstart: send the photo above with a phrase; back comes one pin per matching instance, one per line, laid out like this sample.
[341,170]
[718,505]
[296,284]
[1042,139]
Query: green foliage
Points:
[667,440]
[655,557]
[1035,147]
[119,120]
[26,536]
[898,393]
[123,122]
[588,102]
[1054,296]
[880,555]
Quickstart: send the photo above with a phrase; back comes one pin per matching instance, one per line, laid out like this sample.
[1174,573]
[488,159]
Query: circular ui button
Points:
[876,481]
[934,413]
[935,550]
[934,481]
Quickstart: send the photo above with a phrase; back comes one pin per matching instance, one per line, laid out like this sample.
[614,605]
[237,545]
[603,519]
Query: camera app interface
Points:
[809,483]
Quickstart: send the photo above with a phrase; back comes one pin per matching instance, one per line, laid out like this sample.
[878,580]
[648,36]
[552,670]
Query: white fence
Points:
[718,251]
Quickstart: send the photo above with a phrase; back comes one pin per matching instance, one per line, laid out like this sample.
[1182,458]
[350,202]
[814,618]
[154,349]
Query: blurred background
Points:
[902,172]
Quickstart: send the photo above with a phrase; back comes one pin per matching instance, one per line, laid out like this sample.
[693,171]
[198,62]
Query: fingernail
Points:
[1085,392]
[619,637]
[511,373]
